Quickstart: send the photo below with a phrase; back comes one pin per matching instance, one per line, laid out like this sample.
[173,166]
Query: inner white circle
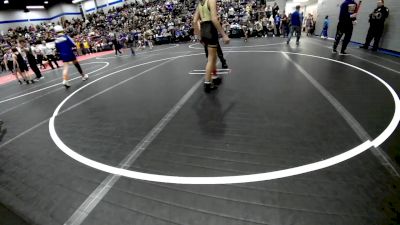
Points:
[239,178]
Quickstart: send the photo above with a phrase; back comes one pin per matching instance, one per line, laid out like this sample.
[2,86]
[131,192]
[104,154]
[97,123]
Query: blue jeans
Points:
[324,32]
[298,33]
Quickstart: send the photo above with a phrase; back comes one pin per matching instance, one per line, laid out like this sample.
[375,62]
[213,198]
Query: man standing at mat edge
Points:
[64,45]
[347,18]
[49,55]
[377,22]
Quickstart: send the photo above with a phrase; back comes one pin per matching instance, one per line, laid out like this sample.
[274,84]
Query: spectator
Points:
[49,55]
[377,22]
[324,33]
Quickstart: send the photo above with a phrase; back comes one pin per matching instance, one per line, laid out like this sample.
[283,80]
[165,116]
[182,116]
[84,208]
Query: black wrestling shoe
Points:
[217,80]
[208,87]
[224,65]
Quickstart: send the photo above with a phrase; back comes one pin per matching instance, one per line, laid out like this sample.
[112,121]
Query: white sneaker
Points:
[85,77]
[66,84]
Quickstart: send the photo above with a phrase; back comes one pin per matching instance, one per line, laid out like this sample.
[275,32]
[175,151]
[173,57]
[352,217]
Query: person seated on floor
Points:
[270,29]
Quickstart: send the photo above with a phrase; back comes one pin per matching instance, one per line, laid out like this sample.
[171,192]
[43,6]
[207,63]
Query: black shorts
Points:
[23,67]
[209,34]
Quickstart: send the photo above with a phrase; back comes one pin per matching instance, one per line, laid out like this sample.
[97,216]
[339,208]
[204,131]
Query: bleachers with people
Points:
[158,22]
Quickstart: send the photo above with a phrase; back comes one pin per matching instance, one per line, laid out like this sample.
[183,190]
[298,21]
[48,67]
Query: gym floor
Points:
[281,108]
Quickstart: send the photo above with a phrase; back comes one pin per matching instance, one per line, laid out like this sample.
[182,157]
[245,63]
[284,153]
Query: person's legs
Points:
[338,37]
[78,67]
[290,34]
[52,60]
[211,62]
[206,50]
[10,66]
[50,63]
[40,61]
[298,33]
[221,56]
[36,70]
[347,38]
[210,67]
[20,75]
[377,38]
[27,77]
[368,39]
[65,75]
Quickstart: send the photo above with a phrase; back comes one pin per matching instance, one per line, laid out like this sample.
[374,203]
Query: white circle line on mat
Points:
[239,178]
[53,85]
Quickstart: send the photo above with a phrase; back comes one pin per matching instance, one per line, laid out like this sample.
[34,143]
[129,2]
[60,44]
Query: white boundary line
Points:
[45,88]
[358,57]
[218,70]
[354,124]
[71,107]
[232,47]
[43,83]
[47,93]
[376,64]
[139,53]
[202,73]
[98,194]
[240,178]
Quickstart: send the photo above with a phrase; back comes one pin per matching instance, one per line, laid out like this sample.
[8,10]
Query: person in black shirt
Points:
[377,21]
[20,67]
[347,18]
[275,10]
[31,58]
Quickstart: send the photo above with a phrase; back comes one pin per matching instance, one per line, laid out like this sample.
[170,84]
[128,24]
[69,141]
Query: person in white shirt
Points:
[38,55]
[8,61]
[49,55]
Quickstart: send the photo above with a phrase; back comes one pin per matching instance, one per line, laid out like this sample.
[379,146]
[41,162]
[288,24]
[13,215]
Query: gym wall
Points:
[391,36]
[15,18]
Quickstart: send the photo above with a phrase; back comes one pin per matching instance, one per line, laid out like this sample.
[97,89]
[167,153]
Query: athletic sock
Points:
[78,67]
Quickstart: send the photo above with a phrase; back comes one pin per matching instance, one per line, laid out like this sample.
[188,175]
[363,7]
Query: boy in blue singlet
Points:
[64,45]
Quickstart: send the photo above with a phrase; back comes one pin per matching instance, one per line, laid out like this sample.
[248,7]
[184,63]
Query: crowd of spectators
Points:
[158,21]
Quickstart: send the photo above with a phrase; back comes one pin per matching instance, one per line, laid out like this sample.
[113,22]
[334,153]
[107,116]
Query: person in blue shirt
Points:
[278,24]
[347,18]
[64,45]
[296,21]
[324,33]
